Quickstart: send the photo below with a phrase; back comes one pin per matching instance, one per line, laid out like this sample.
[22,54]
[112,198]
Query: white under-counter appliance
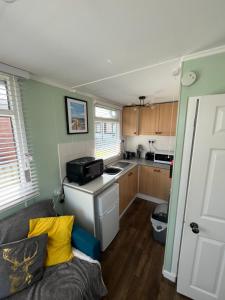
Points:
[107,215]
[163,157]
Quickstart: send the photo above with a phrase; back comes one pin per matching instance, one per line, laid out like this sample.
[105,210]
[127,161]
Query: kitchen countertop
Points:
[99,184]
[150,163]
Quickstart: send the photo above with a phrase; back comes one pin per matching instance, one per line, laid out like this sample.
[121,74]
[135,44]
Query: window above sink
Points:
[107,132]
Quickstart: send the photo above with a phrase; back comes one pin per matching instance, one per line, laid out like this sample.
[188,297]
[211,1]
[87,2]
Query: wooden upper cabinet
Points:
[130,121]
[148,120]
[167,118]
[157,119]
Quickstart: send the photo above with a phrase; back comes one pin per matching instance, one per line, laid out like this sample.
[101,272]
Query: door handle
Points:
[194,227]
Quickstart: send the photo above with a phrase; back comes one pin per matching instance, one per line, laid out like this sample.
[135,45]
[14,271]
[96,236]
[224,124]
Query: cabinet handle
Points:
[130,174]
[156,170]
[159,132]
[135,132]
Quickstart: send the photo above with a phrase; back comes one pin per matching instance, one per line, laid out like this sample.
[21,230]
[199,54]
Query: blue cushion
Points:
[85,242]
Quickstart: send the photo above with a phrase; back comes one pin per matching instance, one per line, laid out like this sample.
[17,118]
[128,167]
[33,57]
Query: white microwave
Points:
[163,157]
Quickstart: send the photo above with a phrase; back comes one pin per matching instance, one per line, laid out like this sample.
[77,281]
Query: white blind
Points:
[107,132]
[18,180]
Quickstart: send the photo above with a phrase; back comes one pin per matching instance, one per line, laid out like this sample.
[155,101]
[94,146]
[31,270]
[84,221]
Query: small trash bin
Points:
[159,219]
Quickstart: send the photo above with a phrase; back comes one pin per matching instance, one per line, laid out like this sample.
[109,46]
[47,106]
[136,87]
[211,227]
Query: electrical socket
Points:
[62,198]
[56,192]
[152,141]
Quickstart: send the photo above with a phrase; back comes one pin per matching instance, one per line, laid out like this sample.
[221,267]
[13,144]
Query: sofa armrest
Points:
[85,242]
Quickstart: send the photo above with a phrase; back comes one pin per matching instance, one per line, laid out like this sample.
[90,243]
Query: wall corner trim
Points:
[204,53]
[170,276]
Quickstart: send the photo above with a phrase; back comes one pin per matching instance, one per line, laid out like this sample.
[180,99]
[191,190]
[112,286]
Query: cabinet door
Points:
[148,120]
[145,180]
[123,192]
[154,182]
[161,183]
[132,183]
[167,116]
[130,121]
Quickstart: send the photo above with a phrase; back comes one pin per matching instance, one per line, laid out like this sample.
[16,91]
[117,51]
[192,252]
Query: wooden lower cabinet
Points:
[123,192]
[132,183]
[128,188]
[154,182]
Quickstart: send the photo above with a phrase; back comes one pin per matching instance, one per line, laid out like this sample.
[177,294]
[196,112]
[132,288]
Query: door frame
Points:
[184,180]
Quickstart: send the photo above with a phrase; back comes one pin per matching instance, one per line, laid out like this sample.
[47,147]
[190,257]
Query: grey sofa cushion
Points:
[21,264]
[16,227]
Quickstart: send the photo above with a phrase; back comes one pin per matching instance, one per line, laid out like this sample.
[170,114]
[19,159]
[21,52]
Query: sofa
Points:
[77,279]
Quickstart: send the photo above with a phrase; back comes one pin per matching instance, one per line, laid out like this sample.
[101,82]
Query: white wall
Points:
[161,143]
[70,151]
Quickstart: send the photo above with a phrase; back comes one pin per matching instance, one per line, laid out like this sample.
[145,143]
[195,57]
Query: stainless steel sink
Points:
[121,164]
[112,170]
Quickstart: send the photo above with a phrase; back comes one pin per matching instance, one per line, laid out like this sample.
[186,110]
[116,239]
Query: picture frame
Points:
[76,115]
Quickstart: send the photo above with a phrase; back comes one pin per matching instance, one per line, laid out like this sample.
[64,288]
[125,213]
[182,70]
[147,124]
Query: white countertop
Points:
[97,185]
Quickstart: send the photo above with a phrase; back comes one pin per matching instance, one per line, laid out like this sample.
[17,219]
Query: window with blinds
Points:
[107,132]
[18,180]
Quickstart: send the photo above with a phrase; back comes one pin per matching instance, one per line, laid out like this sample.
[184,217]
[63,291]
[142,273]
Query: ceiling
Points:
[74,42]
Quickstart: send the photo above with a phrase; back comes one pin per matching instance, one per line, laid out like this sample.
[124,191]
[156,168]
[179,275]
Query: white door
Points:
[201,273]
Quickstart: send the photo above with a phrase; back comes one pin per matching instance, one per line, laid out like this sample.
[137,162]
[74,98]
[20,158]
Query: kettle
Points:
[149,155]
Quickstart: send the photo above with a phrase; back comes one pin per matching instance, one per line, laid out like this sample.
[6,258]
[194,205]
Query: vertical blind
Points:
[18,180]
[107,132]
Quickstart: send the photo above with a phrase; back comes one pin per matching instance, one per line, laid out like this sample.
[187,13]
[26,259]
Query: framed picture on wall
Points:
[76,115]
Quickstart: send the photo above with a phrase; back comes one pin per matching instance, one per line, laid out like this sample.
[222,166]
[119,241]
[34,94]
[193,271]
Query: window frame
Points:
[117,119]
[24,189]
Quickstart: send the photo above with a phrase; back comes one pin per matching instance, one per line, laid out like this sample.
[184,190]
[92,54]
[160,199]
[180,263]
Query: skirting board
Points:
[128,206]
[149,198]
[170,276]
[144,197]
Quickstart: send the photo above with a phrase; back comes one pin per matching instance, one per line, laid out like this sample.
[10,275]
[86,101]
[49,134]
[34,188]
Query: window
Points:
[17,173]
[107,132]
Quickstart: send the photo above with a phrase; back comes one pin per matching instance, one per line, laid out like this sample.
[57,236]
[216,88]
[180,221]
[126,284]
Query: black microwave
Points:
[84,169]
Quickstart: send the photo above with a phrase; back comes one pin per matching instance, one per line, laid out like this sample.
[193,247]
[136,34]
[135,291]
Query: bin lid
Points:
[160,213]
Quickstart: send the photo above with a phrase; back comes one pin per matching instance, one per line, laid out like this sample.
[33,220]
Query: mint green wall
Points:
[211,80]
[45,119]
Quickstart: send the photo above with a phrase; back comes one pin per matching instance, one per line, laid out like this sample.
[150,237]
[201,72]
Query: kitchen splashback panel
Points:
[164,143]
[70,151]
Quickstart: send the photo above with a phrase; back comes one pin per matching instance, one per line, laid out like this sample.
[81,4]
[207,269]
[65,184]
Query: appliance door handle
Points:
[110,210]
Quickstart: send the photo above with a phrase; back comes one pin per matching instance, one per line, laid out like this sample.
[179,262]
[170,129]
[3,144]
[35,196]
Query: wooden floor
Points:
[132,265]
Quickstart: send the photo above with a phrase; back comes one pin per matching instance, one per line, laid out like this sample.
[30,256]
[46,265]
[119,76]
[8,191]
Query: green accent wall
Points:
[211,80]
[45,121]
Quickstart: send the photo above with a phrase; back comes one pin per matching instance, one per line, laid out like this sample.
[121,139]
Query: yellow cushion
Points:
[59,230]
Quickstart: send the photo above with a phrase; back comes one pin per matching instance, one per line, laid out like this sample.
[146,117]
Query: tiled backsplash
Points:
[161,143]
[70,151]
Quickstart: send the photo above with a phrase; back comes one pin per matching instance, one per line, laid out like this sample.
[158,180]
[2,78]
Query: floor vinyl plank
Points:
[132,264]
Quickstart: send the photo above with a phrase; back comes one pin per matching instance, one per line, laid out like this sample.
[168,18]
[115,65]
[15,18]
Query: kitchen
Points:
[142,169]
[93,128]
